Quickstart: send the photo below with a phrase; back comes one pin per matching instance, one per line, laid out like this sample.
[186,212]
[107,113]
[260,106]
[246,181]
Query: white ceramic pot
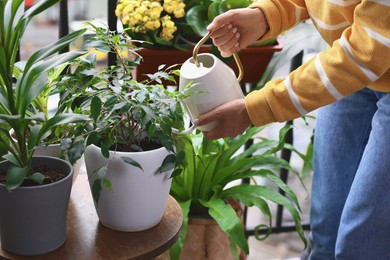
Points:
[55,151]
[138,198]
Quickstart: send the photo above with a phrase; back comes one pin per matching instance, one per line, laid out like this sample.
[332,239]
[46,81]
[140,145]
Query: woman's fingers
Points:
[227,39]
[237,28]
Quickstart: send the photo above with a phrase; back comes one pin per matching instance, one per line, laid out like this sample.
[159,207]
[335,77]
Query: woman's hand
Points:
[237,28]
[232,117]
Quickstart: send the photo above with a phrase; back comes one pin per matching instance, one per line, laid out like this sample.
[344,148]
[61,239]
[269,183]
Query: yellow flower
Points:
[119,9]
[138,17]
[145,3]
[132,21]
[142,9]
[154,14]
[179,13]
[175,7]
[150,25]
[143,16]
[168,28]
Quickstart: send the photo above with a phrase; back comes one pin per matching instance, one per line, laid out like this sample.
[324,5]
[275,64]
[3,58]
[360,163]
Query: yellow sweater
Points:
[358,33]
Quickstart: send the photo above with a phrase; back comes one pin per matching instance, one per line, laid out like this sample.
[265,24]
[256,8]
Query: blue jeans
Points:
[350,204]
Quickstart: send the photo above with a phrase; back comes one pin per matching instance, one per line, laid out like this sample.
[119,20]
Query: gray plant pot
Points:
[33,219]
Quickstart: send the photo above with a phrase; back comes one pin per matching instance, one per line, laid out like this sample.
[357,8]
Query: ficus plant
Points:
[20,85]
[127,115]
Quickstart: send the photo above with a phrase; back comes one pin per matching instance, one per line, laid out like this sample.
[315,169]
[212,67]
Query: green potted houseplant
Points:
[32,189]
[65,141]
[131,153]
[166,24]
[206,195]
[170,29]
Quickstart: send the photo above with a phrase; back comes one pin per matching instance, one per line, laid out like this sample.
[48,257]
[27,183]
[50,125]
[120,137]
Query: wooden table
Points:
[87,239]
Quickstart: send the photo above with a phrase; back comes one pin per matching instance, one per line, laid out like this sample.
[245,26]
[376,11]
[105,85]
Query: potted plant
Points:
[131,156]
[65,141]
[178,24]
[170,29]
[210,202]
[34,191]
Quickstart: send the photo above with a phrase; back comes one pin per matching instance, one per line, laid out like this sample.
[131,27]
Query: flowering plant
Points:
[171,23]
[156,22]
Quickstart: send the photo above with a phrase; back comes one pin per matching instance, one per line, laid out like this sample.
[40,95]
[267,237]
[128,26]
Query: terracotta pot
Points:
[206,240]
[253,58]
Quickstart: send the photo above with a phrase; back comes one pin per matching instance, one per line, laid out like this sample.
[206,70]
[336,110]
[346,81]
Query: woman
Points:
[350,209]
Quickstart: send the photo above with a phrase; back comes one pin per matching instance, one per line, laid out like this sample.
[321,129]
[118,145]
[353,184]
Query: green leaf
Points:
[37,177]
[60,119]
[93,138]
[107,183]
[131,162]
[53,48]
[271,195]
[175,173]
[152,129]
[96,107]
[33,139]
[96,189]
[13,159]
[197,17]
[236,143]
[228,220]
[105,148]
[175,250]
[282,136]
[180,157]
[227,5]
[213,11]
[15,177]
[167,164]
[39,6]
[29,86]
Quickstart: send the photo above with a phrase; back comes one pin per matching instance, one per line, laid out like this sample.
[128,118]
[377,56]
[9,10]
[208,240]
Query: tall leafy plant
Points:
[212,165]
[20,88]
[126,115]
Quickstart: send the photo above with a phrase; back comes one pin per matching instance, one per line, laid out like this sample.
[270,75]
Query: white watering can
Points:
[211,82]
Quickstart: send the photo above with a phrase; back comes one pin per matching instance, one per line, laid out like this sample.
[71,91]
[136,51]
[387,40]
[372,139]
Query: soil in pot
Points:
[50,176]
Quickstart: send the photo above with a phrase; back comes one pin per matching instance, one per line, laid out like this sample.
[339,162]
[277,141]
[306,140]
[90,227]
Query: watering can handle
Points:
[235,55]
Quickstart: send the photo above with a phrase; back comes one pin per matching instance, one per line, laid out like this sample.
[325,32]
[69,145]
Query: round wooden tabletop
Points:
[88,239]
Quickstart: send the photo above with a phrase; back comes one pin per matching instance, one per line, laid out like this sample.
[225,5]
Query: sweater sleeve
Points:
[359,58]
[283,14]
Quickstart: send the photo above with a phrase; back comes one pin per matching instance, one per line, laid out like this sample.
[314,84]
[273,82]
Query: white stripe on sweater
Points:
[297,15]
[294,97]
[378,37]
[325,80]
[347,48]
[381,2]
[344,2]
[329,27]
